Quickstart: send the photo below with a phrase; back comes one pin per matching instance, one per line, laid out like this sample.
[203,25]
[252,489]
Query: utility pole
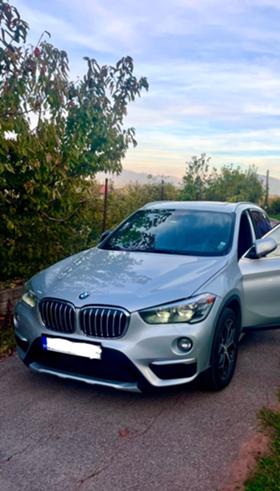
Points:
[266,190]
[162,190]
[105,205]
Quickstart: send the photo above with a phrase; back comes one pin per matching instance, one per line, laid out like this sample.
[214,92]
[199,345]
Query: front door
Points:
[261,285]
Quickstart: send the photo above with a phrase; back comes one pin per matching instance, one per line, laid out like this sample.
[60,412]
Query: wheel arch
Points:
[209,377]
[232,302]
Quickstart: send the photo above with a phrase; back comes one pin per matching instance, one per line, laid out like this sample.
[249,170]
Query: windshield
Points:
[199,233]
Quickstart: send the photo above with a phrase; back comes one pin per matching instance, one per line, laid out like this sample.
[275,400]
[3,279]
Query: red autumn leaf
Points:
[37,52]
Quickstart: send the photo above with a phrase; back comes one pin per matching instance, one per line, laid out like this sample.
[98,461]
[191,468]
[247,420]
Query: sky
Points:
[213,68]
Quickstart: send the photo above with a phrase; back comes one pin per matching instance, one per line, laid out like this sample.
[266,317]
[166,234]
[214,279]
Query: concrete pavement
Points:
[60,435]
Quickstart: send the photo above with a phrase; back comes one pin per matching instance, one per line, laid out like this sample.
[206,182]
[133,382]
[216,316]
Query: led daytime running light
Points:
[191,310]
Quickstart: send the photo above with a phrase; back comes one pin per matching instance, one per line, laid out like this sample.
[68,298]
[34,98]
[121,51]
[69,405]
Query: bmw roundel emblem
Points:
[83,295]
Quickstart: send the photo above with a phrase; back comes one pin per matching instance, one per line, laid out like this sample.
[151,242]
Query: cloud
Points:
[197,94]
[171,152]
[62,30]
[213,69]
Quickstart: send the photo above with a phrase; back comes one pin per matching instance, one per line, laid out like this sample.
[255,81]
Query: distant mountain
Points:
[129,176]
[274,185]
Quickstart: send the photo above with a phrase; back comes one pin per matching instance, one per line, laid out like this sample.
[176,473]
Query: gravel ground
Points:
[58,435]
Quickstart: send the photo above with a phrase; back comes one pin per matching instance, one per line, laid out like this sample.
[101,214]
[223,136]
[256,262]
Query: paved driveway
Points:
[59,435]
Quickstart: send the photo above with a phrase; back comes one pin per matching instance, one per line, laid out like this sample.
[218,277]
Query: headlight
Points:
[29,298]
[191,310]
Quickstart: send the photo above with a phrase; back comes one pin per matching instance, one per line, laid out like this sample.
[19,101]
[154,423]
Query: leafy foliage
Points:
[54,136]
[201,182]
[234,184]
[126,200]
[274,207]
[197,178]
[97,107]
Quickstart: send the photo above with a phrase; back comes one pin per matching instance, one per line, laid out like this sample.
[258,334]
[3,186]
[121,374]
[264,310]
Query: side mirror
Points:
[104,235]
[261,248]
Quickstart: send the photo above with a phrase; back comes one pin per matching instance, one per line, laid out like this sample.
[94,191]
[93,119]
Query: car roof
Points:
[220,206]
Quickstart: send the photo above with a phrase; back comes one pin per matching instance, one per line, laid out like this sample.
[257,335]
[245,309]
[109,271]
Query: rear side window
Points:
[245,240]
[260,222]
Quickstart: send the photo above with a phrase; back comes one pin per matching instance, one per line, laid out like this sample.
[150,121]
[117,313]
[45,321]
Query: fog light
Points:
[184,344]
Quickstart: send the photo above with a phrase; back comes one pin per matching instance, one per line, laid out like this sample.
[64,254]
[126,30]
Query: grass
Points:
[267,474]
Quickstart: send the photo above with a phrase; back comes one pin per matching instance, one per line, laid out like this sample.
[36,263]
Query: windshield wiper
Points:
[157,251]
[112,248]
[150,250]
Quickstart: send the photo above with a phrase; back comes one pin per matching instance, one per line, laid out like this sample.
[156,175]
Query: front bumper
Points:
[145,355]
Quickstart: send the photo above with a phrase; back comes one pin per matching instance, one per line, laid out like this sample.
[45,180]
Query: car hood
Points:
[133,280]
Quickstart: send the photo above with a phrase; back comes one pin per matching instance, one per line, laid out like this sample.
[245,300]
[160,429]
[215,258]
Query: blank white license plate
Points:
[60,345]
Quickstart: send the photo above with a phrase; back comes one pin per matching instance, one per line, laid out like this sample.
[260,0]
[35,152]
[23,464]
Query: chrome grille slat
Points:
[120,320]
[50,316]
[95,323]
[64,316]
[60,318]
[47,314]
[43,310]
[103,322]
[57,315]
[84,320]
[69,316]
[113,324]
[89,317]
[107,323]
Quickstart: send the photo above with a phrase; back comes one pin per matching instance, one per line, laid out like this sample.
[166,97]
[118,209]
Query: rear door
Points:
[261,287]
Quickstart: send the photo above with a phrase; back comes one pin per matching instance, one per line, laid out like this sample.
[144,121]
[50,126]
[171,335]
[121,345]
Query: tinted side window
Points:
[245,240]
[261,223]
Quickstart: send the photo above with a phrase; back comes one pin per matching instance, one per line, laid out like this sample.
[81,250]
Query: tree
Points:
[54,135]
[197,178]
[201,182]
[274,207]
[234,184]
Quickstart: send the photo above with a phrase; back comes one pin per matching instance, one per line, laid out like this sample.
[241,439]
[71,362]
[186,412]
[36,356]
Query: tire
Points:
[224,351]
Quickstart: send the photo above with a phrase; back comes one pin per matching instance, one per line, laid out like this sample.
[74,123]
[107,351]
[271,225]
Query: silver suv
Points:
[162,299]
